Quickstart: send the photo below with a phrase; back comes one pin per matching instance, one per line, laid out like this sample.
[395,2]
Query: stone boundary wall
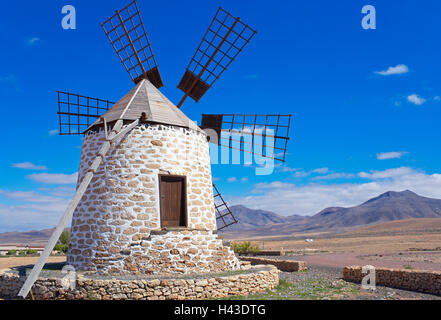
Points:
[283,265]
[255,279]
[413,280]
[270,253]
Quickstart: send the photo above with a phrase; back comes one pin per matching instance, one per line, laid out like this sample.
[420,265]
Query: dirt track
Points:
[6,263]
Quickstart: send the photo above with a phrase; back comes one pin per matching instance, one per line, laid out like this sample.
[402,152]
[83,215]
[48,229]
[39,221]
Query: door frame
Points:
[184,197]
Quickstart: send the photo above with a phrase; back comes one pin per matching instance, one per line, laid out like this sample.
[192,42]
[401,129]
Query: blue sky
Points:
[365,103]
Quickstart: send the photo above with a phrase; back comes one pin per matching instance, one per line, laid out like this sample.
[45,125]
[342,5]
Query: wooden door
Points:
[173,201]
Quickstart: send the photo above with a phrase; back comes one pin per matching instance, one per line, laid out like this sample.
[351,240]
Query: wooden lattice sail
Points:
[264,135]
[224,39]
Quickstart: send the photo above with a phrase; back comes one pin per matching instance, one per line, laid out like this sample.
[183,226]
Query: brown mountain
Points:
[250,219]
[34,236]
[389,206]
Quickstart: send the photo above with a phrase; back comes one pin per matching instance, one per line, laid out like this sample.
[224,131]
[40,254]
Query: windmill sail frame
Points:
[126,33]
[224,39]
[225,215]
[251,132]
[77,112]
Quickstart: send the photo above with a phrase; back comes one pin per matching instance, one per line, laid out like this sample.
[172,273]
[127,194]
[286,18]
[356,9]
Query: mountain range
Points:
[389,206]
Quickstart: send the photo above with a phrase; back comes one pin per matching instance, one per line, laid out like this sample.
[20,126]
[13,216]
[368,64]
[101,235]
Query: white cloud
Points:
[287,198]
[54,178]
[15,218]
[32,41]
[416,99]
[399,69]
[27,196]
[244,179]
[388,173]
[321,170]
[301,174]
[391,155]
[28,166]
[32,210]
[53,132]
[284,168]
[333,176]
[232,179]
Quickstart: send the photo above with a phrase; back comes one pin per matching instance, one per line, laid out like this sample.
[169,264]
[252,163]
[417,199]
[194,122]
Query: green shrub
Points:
[63,242]
[31,251]
[12,252]
[64,238]
[61,247]
[244,248]
[22,252]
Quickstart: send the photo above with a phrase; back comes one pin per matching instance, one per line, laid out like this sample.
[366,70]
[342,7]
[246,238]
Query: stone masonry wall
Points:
[414,280]
[111,227]
[256,280]
[282,265]
[186,251]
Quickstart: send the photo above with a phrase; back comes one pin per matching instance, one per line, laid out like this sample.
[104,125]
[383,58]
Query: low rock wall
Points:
[413,280]
[255,279]
[282,265]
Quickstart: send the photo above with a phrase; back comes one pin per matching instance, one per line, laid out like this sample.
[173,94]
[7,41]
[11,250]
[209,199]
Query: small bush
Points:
[12,252]
[31,251]
[244,248]
[64,237]
[61,247]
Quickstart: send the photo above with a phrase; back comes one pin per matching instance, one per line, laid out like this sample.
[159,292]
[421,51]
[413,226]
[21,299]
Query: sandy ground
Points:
[6,263]
[358,244]
[378,260]
[411,251]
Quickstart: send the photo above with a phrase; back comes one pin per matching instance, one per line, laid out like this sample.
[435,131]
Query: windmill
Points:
[145,201]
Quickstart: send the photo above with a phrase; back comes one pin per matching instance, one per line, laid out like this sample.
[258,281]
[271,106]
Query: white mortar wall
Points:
[121,205]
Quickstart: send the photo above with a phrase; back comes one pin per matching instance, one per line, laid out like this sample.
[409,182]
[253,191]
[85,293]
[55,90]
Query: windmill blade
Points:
[263,135]
[125,31]
[224,39]
[76,112]
[224,216]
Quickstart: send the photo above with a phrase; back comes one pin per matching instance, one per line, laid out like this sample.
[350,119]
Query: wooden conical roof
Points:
[146,98]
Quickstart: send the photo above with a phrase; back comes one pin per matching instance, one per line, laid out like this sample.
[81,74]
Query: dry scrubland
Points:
[411,244]
[424,234]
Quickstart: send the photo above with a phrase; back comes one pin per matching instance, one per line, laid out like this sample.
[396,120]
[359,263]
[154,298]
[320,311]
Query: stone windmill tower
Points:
[149,207]
[144,201]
